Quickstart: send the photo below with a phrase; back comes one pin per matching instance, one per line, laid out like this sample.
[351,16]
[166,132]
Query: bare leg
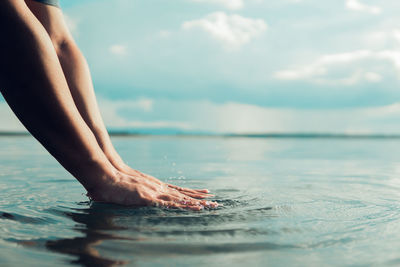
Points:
[33,84]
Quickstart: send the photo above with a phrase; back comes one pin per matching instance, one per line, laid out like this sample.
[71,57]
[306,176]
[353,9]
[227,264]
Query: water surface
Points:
[287,202]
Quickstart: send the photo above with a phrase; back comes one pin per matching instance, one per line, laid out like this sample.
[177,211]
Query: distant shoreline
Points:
[228,135]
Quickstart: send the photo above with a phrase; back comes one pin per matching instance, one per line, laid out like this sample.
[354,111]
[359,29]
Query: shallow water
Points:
[287,202]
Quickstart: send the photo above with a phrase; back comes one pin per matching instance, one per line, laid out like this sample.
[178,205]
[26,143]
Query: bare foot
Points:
[142,190]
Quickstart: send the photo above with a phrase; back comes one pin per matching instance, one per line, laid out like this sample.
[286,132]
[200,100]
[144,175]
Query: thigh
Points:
[51,18]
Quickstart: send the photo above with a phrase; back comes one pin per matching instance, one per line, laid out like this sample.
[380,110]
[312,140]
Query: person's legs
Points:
[80,83]
[33,84]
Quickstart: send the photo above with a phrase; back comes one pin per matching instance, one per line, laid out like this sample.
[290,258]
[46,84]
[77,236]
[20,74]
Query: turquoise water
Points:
[287,202]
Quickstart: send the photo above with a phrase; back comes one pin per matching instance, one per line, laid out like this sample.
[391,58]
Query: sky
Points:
[241,66]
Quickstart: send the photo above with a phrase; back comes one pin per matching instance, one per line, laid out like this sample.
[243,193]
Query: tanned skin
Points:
[46,81]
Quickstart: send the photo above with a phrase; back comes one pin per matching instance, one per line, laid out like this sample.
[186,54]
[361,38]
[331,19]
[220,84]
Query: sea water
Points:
[286,202]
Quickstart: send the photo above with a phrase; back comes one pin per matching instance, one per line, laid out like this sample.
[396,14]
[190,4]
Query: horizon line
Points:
[304,135]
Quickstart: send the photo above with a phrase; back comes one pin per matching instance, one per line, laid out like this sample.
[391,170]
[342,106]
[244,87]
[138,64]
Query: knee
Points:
[62,44]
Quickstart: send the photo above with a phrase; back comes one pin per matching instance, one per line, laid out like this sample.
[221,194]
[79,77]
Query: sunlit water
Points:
[287,202]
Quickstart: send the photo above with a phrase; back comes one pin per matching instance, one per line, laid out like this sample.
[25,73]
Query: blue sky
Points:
[242,65]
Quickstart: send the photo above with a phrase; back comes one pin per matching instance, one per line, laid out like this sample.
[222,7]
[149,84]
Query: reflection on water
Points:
[93,222]
[314,202]
[144,229]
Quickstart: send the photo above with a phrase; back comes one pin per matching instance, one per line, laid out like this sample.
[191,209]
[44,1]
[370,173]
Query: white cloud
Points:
[142,104]
[372,77]
[358,6]
[235,117]
[319,67]
[111,114]
[150,124]
[118,49]
[345,68]
[388,38]
[244,118]
[8,121]
[230,4]
[232,30]
[164,34]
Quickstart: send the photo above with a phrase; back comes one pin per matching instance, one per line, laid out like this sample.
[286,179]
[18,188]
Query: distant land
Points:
[181,133]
